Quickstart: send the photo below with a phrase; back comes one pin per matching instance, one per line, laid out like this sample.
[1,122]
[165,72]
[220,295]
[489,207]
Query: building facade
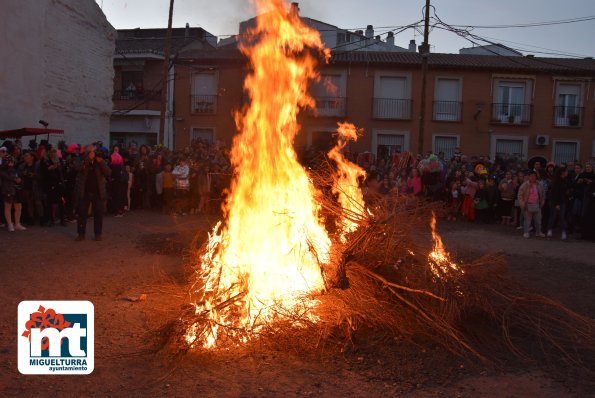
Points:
[56,66]
[138,82]
[507,107]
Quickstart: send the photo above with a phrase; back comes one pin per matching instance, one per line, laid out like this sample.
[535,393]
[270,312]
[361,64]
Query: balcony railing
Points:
[505,113]
[330,106]
[390,108]
[568,116]
[204,104]
[134,95]
[447,111]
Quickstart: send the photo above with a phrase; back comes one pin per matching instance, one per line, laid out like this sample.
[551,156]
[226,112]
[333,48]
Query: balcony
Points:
[514,114]
[568,116]
[390,108]
[447,111]
[330,106]
[138,99]
[204,104]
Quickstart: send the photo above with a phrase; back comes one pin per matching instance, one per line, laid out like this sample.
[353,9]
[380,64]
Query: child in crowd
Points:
[455,200]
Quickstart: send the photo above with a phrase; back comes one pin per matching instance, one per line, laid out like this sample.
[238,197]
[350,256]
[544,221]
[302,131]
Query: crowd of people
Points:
[537,197]
[47,186]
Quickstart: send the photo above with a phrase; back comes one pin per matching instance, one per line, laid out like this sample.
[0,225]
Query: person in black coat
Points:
[90,187]
[559,199]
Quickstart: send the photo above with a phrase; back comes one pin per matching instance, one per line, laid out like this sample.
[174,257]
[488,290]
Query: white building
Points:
[337,39]
[491,49]
[57,65]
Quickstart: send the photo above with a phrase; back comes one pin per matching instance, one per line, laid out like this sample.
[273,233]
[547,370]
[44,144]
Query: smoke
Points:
[221,18]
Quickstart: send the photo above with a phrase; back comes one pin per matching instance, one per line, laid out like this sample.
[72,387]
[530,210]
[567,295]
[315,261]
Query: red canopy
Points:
[18,133]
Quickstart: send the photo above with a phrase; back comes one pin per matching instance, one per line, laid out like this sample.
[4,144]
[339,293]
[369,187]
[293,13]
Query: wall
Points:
[57,66]
[475,134]
[229,100]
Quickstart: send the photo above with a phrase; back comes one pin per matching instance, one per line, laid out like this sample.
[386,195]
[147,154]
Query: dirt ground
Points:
[142,254]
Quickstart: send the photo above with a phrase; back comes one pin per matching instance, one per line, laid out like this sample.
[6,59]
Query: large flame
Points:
[264,263]
[346,184]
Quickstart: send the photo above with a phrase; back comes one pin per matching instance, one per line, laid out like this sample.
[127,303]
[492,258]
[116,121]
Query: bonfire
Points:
[301,248]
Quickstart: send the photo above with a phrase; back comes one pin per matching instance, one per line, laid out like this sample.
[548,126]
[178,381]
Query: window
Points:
[132,84]
[446,104]
[446,144]
[510,102]
[391,98]
[388,145]
[568,111]
[565,151]
[204,93]
[329,94]
[203,134]
[509,149]
[343,38]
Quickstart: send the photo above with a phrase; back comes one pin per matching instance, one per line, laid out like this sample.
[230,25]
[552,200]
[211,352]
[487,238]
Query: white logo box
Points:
[80,361]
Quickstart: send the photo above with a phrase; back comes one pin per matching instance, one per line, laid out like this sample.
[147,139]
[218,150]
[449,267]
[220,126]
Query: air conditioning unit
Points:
[542,140]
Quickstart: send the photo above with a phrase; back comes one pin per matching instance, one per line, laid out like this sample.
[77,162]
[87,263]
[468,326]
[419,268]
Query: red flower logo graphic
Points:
[43,319]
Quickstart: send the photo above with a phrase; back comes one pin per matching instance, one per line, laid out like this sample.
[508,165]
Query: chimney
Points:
[295,8]
[390,38]
[412,45]
[378,37]
[369,32]
[187,31]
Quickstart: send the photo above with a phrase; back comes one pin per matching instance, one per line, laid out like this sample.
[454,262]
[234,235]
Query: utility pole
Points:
[165,75]
[424,50]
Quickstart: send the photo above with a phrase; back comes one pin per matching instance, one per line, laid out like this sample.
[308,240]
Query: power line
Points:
[528,25]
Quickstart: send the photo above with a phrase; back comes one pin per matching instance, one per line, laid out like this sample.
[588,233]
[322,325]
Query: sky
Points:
[221,18]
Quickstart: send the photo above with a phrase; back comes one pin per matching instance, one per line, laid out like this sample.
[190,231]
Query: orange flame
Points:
[346,184]
[265,262]
[440,261]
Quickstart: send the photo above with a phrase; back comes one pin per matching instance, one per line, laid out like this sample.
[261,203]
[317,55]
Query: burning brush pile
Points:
[301,249]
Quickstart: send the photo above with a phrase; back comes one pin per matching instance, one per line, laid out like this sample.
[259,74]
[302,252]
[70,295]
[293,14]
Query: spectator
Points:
[414,182]
[164,185]
[31,192]
[52,175]
[90,185]
[204,188]
[468,208]
[506,189]
[558,201]
[531,199]
[118,186]
[11,189]
[182,185]
[142,179]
